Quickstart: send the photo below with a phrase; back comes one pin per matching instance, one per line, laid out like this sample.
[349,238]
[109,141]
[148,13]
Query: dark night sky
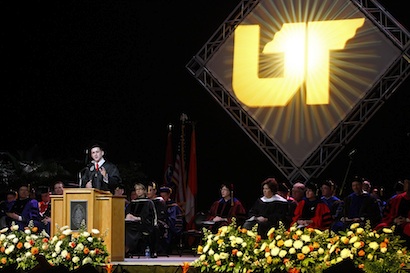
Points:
[114,71]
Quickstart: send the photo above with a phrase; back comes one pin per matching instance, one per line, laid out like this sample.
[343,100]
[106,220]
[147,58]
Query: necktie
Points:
[96,167]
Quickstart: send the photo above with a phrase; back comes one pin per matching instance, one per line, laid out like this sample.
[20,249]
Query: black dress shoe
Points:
[154,255]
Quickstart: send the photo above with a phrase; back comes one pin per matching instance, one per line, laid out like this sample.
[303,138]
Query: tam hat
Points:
[165,189]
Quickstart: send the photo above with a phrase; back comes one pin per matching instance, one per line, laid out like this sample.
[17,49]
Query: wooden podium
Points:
[99,209]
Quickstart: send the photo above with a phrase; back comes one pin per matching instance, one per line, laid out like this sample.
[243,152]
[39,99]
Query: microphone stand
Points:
[347,172]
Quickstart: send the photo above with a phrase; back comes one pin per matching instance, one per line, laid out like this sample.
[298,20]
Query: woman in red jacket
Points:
[311,212]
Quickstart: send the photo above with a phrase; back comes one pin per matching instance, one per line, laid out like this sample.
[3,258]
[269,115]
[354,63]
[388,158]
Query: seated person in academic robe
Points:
[140,218]
[268,210]
[5,206]
[161,227]
[397,213]
[175,218]
[225,208]
[24,209]
[311,211]
[358,207]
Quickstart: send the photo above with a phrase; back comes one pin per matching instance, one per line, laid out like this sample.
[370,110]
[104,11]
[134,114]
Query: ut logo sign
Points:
[305,48]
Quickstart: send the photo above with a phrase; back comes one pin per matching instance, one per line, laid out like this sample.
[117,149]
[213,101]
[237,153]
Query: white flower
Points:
[64,228]
[9,249]
[305,249]
[54,255]
[223,256]
[4,230]
[57,249]
[95,231]
[15,240]
[359,230]
[275,251]
[292,251]
[282,253]
[11,236]
[76,259]
[292,228]
[321,251]
[90,239]
[92,252]
[211,252]
[216,257]
[305,238]
[267,254]
[357,245]
[205,248]
[59,243]
[27,231]
[85,234]
[79,247]
[349,233]
[299,232]
[14,227]
[87,260]
[272,230]
[345,253]
[238,240]
[244,244]
[2,237]
[319,232]
[202,257]
[64,253]
[383,249]
[374,245]
[256,251]
[288,243]
[263,246]
[370,257]
[67,232]
[239,254]
[353,239]
[27,254]
[387,230]
[298,244]
[251,233]
[27,245]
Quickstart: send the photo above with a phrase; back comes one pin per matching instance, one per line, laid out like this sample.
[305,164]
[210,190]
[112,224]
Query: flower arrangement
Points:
[67,248]
[237,250]
[73,249]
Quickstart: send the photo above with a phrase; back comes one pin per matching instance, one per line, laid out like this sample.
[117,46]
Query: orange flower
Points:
[311,230]
[218,262]
[108,267]
[86,250]
[286,260]
[337,250]
[185,267]
[267,249]
[2,249]
[244,230]
[34,250]
[34,229]
[19,245]
[258,238]
[3,260]
[234,251]
[295,236]
[316,245]
[61,237]
[280,243]
[45,240]
[386,240]
[361,266]
[301,256]
[68,257]
[383,245]
[294,270]
[311,248]
[361,253]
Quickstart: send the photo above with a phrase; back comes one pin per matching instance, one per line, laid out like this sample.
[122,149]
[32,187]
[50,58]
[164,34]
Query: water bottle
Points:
[147,252]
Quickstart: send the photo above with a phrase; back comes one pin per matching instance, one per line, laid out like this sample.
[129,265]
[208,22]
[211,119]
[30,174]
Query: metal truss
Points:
[327,151]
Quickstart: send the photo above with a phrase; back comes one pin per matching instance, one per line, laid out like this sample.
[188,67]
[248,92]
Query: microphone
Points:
[352,152]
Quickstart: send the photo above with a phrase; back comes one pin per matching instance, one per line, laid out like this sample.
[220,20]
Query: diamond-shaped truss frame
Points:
[344,132]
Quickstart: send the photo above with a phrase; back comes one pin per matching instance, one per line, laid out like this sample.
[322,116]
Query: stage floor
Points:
[172,260]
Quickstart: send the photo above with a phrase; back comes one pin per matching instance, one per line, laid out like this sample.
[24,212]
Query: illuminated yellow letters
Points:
[305,47]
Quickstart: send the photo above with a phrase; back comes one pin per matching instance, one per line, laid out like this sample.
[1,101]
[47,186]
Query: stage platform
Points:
[162,264]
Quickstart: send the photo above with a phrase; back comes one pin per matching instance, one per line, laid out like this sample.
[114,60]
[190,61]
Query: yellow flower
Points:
[354,226]
[374,245]
[298,244]
[387,230]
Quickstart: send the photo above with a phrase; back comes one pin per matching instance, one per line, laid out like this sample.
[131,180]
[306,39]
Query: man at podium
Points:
[100,174]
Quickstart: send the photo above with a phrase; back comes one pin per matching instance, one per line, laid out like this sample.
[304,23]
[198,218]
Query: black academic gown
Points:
[96,178]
